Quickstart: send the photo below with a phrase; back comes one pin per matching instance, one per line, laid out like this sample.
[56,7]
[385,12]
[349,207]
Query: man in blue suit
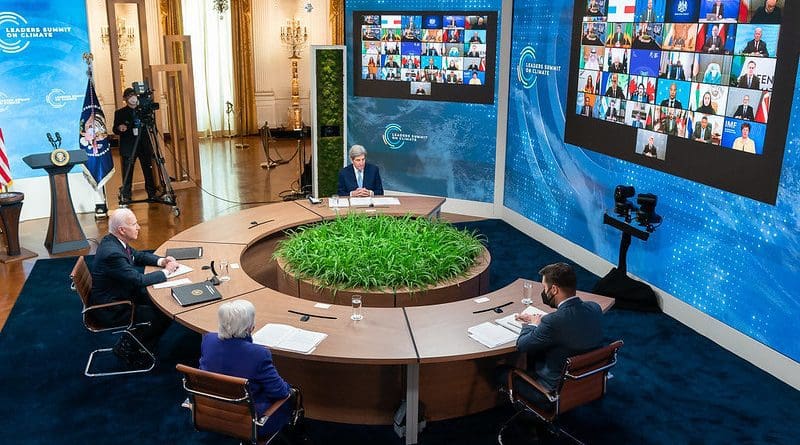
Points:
[574,328]
[115,277]
[360,179]
[231,351]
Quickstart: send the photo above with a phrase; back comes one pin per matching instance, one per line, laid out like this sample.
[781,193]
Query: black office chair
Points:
[583,380]
[223,404]
[82,284]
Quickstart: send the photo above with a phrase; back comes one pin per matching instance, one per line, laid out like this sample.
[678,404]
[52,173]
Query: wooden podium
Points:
[10,208]
[64,233]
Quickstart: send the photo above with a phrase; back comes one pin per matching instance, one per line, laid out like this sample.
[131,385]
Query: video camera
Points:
[146,110]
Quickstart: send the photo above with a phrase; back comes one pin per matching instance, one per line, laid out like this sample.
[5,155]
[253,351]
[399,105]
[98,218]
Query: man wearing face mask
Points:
[575,327]
[128,126]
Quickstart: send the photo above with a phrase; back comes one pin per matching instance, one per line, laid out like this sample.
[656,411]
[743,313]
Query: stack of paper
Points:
[287,337]
[360,202]
[385,201]
[182,269]
[510,322]
[491,335]
[338,202]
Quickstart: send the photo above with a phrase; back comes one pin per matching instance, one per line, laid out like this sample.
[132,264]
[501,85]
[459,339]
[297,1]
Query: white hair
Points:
[118,219]
[236,319]
[356,151]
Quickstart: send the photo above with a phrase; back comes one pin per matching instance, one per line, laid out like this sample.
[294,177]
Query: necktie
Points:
[128,253]
[671,103]
[749,80]
[360,178]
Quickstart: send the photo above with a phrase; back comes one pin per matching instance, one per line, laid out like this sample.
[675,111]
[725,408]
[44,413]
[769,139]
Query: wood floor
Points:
[230,176]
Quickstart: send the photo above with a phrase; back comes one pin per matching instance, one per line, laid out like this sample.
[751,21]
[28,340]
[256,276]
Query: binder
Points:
[185,253]
[195,293]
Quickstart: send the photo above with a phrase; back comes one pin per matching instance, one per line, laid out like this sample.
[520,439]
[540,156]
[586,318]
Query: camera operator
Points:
[128,126]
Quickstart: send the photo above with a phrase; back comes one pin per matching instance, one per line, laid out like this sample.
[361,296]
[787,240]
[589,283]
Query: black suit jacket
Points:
[115,276]
[754,84]
[574,328]
[676,103]
[126,115]
[759,48]
[743,113]
[372,180]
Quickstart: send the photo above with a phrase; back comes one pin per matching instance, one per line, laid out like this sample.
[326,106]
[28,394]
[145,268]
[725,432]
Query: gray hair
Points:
[236,319]
[118,218]
[356,151]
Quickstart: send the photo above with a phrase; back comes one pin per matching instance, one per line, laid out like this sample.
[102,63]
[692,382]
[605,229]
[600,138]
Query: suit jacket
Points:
[759,48]
[617,93]
[114,274]
[586,110]
[650,150]
[718,10]
[126,115]
[716,42]
[676,103]
[240,357]
[743,113]
[574,328]
[348,182]
[700,134]
[754,85]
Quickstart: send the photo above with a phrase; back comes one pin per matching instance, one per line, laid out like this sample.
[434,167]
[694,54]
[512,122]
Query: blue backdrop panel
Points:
[731,257]
[435,148]
[44,76]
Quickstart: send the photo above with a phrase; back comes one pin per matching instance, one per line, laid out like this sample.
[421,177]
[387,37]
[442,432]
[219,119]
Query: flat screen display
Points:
[433,55]
[697,88]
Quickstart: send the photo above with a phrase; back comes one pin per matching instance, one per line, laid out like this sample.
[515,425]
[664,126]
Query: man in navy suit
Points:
[231,351]
[360,179]
[115,277]
[574,328]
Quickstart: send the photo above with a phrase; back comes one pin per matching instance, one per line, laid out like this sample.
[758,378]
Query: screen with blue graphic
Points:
[684,63]
[442,56]
[728,256]
[44,76]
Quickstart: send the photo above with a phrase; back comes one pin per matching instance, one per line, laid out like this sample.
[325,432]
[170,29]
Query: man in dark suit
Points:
[671,125]
[714,44]
[574,328]
[756,47]
[586,109]
[612,113]
[128,126]
[769,13]
[115,277]
[718,9]
[676,71]
[360,179]
[672,100]
[702,132]
[650,149]
[614,89]
[744,111]
[749,79]
[231,351]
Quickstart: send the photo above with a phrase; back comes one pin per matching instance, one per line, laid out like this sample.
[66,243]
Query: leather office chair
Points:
[82,284]
[223,404]
[582,381]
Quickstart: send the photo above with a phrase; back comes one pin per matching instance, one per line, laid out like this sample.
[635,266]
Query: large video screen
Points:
[697,88]
[432,55]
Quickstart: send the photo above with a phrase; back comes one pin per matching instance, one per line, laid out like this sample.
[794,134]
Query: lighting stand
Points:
[628,293]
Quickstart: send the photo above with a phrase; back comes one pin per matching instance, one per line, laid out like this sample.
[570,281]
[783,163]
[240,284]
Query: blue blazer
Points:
[574,328]
[115,276]
[240,357]
[348,182]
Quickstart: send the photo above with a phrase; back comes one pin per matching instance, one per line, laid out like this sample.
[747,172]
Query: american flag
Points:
[5,168]
[93,139]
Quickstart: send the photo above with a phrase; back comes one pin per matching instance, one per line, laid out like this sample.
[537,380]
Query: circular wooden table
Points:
[363,370]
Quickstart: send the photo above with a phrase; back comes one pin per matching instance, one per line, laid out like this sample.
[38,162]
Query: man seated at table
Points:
[231,351]
[574,328]
[115,277]
[360,179]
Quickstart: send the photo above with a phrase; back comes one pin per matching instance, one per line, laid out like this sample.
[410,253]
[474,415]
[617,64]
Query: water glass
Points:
[333,201]
[527,293]
[356,300]
[224,271]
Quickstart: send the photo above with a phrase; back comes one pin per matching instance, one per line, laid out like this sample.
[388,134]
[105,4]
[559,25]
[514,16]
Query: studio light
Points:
[646,214]
[622,206]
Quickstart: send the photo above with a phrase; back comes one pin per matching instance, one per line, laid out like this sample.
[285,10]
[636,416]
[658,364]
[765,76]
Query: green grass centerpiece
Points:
[379,252]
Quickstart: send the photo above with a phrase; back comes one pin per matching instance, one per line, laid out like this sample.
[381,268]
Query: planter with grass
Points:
[389,261]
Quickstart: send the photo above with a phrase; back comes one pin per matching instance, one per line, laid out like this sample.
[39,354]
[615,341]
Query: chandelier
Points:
[221,6]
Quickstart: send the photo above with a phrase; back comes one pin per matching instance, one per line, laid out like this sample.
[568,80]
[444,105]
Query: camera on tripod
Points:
[146,110]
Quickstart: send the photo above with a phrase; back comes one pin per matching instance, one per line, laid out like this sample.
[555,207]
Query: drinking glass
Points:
[356,300]
[224,272]
[333,201]
[527,293]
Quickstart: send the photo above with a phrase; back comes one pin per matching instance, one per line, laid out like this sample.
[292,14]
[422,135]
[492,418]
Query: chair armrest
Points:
[531,381]
[112,304]
[271,410]
[187,404]
[593,371]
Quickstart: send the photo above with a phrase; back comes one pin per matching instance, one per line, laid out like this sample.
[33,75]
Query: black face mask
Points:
[548,299]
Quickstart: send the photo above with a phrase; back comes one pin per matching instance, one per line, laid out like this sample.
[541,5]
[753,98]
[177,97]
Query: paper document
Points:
[173,283]
[287,337]
[361,202]
[182,269]
[491,335]
[510,322]
[385,201]
[340,202]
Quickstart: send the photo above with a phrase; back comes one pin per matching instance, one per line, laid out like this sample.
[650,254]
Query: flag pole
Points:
[101,203]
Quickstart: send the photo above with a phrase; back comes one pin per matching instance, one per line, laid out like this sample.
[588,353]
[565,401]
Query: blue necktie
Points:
[360,178]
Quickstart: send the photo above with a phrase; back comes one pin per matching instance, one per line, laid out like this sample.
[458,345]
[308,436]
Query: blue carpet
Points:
[672,386]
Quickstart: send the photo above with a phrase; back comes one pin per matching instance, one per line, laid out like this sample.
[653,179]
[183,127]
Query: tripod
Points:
[151,132]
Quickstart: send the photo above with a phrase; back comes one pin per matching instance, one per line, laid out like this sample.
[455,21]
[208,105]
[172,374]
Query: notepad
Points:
[491,335]
[290,338]
[337,203]
[385,201]
[360,202]
[510,322]
[196,293]
[182,269]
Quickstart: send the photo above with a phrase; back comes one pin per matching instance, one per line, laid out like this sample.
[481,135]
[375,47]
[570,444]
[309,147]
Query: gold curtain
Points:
[337,22]
[171,16]
[244,84]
